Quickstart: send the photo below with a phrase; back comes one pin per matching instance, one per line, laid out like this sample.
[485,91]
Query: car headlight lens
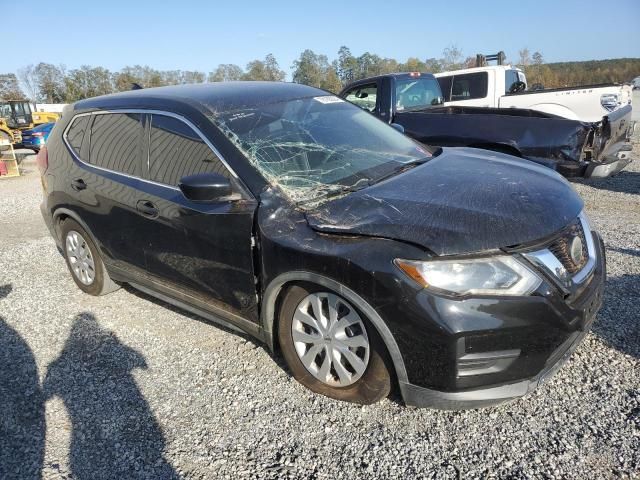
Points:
[499,275]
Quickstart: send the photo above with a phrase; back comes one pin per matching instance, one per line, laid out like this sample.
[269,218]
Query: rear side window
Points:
[75,134]
[469,86]
[176,150]
[115,142]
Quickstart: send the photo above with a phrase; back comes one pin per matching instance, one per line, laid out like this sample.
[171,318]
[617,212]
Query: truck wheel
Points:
[331,348]
[84,262]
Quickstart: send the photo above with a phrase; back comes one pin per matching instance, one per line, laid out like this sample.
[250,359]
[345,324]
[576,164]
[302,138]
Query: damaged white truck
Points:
[506,86]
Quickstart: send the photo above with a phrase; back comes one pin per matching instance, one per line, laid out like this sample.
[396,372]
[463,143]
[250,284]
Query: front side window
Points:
[5,111]
[364,96]
[115,142]
[312,146]
[75,134]
[176,150]
[413,93]
[469,86]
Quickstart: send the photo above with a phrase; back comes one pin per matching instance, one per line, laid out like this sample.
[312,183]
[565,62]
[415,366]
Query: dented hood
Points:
[462,201]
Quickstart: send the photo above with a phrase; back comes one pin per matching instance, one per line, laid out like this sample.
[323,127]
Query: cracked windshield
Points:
[320,146]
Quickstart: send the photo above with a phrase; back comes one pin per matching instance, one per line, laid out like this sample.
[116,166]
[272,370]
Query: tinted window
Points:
[75,134]
[115,142]
[364,96]
[469,86]
[445,86]
[176,151]
[511,77]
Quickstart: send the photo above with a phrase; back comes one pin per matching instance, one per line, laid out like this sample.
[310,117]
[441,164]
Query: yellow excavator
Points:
[16,115]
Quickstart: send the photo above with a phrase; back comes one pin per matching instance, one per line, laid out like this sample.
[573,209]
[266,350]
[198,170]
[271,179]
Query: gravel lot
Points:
[128,387]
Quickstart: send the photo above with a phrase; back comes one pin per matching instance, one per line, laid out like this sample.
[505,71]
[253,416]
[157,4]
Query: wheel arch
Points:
[273,295]
[61,214]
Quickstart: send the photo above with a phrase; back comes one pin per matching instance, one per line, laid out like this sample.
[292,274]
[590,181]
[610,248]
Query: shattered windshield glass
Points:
[317,146]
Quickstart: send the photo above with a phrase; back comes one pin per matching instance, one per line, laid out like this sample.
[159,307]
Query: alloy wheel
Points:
[80,258]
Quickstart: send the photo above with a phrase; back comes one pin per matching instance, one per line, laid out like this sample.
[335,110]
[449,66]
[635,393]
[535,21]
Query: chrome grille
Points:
[561,247]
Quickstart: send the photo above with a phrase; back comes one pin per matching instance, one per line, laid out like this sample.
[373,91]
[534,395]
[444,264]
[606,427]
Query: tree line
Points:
[48,83]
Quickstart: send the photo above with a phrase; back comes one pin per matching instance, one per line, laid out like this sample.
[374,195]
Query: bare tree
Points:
[9,88]
[29,79]
[524,57]
[452,58]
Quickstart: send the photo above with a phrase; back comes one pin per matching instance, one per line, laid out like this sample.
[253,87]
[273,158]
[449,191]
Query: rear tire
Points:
[351,361]
[83,260]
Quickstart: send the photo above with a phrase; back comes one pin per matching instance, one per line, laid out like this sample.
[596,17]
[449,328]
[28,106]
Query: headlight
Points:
[609,101]
[499,275]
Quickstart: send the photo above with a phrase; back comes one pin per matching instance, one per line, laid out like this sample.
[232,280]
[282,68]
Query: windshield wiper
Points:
[399,169]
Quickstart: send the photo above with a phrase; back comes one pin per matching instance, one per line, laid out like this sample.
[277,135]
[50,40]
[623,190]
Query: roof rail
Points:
[482,60]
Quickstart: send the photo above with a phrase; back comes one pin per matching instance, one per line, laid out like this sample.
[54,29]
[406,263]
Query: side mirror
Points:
[205,187]
[398,127]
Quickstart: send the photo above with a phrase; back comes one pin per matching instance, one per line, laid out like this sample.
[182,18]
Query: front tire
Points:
[84,261]
[331,348]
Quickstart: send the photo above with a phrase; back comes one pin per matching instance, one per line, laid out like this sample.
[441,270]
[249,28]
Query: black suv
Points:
[462,276]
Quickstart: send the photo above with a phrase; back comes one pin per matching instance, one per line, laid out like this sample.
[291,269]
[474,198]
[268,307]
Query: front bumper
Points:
[486,397]
[609,167]
[545,348]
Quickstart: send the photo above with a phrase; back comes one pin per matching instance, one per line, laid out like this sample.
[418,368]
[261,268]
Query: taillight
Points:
[42,159]
[38,134]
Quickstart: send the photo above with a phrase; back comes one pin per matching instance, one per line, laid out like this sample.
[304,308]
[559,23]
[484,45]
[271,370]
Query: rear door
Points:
[202,251]
[105,180]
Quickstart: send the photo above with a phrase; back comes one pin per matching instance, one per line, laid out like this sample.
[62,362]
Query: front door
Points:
[204,250]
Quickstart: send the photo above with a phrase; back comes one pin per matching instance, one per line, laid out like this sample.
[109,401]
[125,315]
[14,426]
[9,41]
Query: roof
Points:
[214,97]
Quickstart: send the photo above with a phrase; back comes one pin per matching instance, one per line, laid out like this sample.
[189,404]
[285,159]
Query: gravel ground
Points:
[131,388]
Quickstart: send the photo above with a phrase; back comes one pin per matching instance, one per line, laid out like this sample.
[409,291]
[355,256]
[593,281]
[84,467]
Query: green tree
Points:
[226,72]
[50,81]
[268,70]
[315,70]
[347,65]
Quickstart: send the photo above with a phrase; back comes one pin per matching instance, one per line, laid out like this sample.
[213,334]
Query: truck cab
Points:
[16,113]
[386,95]
[480,87]
[505,86]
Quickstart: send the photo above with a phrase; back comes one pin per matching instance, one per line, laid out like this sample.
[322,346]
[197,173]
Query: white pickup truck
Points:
[505,86]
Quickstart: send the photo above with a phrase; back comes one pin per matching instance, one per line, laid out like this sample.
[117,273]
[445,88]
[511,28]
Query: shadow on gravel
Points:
[115,434]
[617,322]
[626,251]
[22,422]
[193,316]
[623,182]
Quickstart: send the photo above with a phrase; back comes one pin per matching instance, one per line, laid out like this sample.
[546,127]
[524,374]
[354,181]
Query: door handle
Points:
[147,208]
[78,184]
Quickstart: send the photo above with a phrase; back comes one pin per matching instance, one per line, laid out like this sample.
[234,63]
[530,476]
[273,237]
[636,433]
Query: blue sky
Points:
[199,35]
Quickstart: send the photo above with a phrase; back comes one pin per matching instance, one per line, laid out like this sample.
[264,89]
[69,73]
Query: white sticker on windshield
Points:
[328,99]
